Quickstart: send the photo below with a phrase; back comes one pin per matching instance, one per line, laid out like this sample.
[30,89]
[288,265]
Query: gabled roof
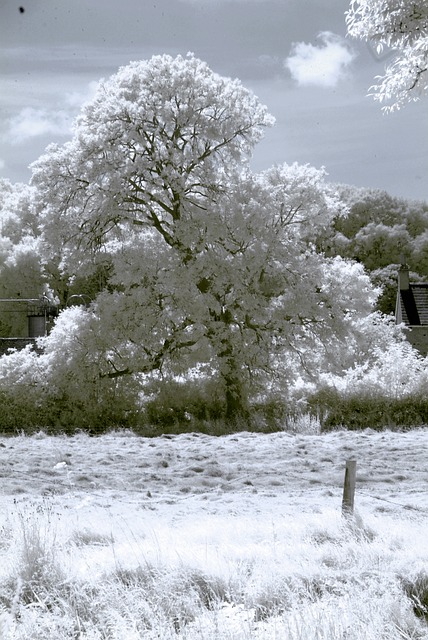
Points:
[413,304]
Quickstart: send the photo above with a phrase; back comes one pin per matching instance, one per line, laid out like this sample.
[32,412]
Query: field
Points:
[194,537]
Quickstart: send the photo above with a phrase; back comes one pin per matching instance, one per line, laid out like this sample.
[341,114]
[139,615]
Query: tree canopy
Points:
[380,231]
[401,25]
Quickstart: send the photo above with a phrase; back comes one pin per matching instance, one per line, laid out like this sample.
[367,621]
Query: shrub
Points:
[61,414]
[361,410]
[417,591]
[175,404]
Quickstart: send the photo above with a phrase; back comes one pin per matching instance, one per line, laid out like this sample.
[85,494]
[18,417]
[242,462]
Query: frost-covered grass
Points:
[195,537]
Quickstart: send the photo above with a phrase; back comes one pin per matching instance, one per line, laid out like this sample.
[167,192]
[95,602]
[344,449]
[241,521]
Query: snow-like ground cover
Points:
[197,537]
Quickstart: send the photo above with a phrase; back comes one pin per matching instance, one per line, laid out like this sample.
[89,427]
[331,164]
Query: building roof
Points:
[413,304]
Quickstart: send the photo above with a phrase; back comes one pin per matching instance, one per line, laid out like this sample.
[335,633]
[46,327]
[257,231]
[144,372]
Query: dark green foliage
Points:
[200,406]
[183,403]
[417,591]
[195,407]
[174,407]
[272,412]
[362,411]
[18,415]
[60,415]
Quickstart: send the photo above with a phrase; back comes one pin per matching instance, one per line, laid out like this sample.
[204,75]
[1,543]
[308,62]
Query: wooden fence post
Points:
[349,488]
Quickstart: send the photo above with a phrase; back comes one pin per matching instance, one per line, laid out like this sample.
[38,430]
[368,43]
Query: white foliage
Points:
[401,25]
[6,624]
[388,366]
[209,264]
[23,372]
[156,131]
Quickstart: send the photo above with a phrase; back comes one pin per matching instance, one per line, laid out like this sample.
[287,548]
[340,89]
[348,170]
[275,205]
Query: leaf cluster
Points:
[401,26]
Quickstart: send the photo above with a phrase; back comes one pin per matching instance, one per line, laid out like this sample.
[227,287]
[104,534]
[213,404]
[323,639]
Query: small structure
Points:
[40,314]
[412,309]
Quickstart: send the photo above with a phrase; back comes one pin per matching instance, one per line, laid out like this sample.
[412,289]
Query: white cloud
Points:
[320,65]
[76,99]
[31,123]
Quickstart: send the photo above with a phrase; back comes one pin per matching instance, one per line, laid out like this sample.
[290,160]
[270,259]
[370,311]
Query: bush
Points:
[61,414]
[363,410]
[417,591]
[173,407]
[178,404]
[199,405]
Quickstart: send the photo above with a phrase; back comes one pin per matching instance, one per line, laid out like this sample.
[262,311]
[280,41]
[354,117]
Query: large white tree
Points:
[209,265]
[401,25]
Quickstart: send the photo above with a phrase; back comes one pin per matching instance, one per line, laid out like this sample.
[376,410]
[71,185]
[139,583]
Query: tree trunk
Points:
[235,396]
[236,402]
[230,371]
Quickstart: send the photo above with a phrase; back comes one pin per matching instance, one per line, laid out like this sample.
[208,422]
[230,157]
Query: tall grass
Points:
[317,578]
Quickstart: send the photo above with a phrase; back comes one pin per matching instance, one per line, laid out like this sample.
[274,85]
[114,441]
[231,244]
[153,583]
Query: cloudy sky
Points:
[292,53]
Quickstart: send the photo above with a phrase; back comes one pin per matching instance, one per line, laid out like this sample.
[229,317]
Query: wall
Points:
[418,338]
